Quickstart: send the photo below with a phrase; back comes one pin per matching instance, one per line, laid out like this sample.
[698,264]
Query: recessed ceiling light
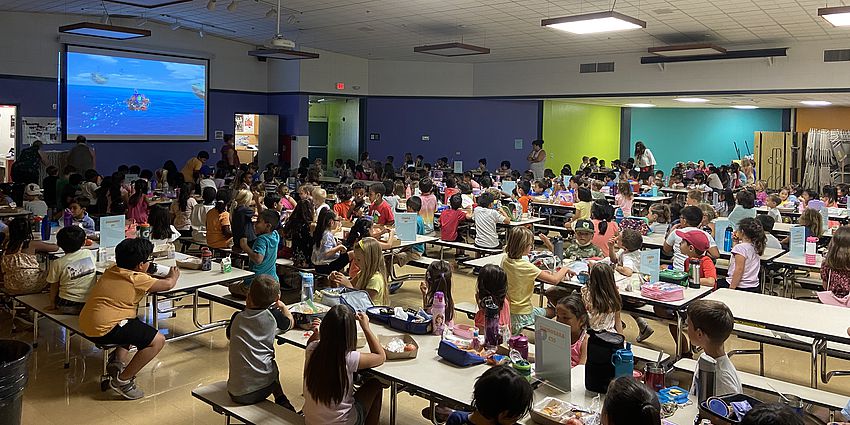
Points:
[691,99]
[639,105]
[745,106]
[594,23]
[816,103]
[837,16]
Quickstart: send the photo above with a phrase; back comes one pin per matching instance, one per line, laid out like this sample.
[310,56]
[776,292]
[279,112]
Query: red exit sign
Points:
[340,86]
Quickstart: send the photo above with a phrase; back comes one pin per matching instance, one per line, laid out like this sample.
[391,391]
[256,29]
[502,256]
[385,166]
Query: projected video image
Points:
[134,98]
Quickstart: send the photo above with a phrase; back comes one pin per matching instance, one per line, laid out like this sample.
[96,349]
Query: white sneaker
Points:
[128,389]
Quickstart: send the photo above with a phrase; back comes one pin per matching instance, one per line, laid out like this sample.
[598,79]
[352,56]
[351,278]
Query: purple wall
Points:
[475,128]
[293,110]
[37,95]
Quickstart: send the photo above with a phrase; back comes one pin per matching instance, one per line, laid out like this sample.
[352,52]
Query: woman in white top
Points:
[645,162]
[537,159]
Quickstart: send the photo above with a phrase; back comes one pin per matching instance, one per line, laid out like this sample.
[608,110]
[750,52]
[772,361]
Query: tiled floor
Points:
[61,396]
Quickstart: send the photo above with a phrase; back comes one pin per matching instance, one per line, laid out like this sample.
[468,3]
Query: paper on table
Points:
[798,241]
[405,226]
[650,262]
[552,348]
[111,230]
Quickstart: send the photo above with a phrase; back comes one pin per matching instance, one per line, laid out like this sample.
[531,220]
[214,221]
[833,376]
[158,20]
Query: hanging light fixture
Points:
[93,29]
[211,5]
[838,16]
[281,48]
[590,23]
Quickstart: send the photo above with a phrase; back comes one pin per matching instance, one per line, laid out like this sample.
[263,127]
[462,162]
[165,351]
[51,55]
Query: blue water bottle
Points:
[618,215]
[727,239]
[45,228]
[623,361]
[306,287]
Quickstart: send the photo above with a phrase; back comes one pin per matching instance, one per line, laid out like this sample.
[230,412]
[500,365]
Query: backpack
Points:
[638,224]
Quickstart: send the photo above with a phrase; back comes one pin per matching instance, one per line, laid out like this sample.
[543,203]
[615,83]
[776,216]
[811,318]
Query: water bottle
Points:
[206,259]
[693,281]
[492,335]
[306,287]
[811,250]
[45,228]
[438,313]
[558,247]
[618,215]
[706,378]
[727,239]
[67,218]
[623,361]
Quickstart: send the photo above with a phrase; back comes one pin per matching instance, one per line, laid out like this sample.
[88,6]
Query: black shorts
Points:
[135,332]
[724,284]
[185,233]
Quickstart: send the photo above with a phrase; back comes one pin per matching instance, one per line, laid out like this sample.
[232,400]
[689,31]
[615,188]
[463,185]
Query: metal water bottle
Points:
[693,280]
[492,337]
[558,247]
[706,379]
[438,313]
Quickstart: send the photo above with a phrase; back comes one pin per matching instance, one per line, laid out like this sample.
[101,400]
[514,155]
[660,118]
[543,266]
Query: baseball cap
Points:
[695,237]
[206,170]
[584,226]
[32,189]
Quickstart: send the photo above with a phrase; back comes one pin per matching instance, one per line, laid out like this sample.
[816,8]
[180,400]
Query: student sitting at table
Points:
[812,221]
[571,312]
[22,273]
[786,195]
[596,190]
[198,217]
[630,402]
[328,255]
[138,206]
[379,209]
[772,203]
[745,208]
[829,196]
[690,217]
[709,325]
[343,201]
[522,276]
[331,360]
[71,276]
[602,217]
[486,219]
[699,183]
[767,224]
[80,217]
[372,275]
[659,218]
[253,374]
[263,254]
[500,396]
[162,231]
[451,218]
[626,261]
[219,234]
[835,271]
[624,198]
[804,198]
[438,278]
[708,217]
[319,196]
[522,196]
[602,300]
[287,202]
[492,286]
[745,264]
[429,204]
[585,201]
[583,246]
[694,198]
[110,316]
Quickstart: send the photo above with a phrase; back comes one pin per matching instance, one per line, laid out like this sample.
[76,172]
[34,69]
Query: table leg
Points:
[154,307]
[67,348]
[815,344]
[393,402]
[679,326]
[34,328]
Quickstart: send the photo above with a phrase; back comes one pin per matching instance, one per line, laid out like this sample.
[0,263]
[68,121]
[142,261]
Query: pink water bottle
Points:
[811,250]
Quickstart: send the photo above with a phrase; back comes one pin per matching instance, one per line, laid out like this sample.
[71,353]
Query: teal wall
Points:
[679,134]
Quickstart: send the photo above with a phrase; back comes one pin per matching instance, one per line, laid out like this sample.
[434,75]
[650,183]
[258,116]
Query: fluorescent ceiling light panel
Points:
[837,16]
[691,99]
[639,105]
[148,4]
[282,54]
[92,29]
[816,103]
[745,106]
[591,23]
[452,49]
[694,49]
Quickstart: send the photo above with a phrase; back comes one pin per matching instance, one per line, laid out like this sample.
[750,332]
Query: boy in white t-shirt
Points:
[626,261]
[486,219]
[33,202]
[690,217]
[71,276]
[709,326]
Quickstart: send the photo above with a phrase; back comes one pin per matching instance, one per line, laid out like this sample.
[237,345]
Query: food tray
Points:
[404,354]
[553,411]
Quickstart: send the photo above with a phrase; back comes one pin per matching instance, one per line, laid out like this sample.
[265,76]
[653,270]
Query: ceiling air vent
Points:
[839,55]
[587,68]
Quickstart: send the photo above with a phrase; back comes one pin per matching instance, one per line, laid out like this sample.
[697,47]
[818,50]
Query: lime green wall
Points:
[573,130]
[318,112]
[343,129]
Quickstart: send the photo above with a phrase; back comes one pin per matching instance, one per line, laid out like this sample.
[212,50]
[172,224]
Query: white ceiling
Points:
[787,100]
[389,29]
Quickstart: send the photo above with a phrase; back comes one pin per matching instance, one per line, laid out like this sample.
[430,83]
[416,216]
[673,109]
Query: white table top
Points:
[546,204]
[769,253]
[194,279]
[419,239]
[683,190]
[17,212]
[789,260]
[785,228]
[796,317]
[646,199]
[843,215]
[654,240]
[524,221]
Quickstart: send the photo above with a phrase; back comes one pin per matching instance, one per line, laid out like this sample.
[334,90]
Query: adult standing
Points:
[27,165]
[645,162]
[81,156]
[228,152]
[193,166]
[537,159]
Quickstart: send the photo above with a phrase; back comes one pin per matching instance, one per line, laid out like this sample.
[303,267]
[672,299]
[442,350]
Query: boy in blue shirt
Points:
[263,255]
[500,396]
[414,204]
[81,218]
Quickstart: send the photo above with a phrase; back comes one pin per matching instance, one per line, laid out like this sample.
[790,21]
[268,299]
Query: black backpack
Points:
[599,370]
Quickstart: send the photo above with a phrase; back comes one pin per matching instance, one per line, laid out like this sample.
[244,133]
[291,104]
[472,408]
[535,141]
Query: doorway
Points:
[256,138]
[8,138]
[334,129]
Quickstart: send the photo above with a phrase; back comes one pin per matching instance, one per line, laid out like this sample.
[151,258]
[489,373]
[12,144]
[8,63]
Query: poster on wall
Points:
[39,128]
[12,128]
[239,126]
[248,124]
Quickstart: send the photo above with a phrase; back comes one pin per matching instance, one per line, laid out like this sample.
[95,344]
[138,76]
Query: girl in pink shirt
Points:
[624,198]
[493,285]
[137,206]
[438,278]
[602,216]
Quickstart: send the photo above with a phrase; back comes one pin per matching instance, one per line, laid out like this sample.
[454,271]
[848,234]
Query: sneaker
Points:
[114,368]
[128,389]
[645,333]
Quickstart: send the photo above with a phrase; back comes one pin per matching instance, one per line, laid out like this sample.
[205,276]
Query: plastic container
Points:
[438,314]
[14,356]
[45,228]
[408,341]
[519,343]
[206,259]
[144,231]
[673,394]
[718,419]
[306,287]
[67,218]
[492,336]
[811,250]
[727,239]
